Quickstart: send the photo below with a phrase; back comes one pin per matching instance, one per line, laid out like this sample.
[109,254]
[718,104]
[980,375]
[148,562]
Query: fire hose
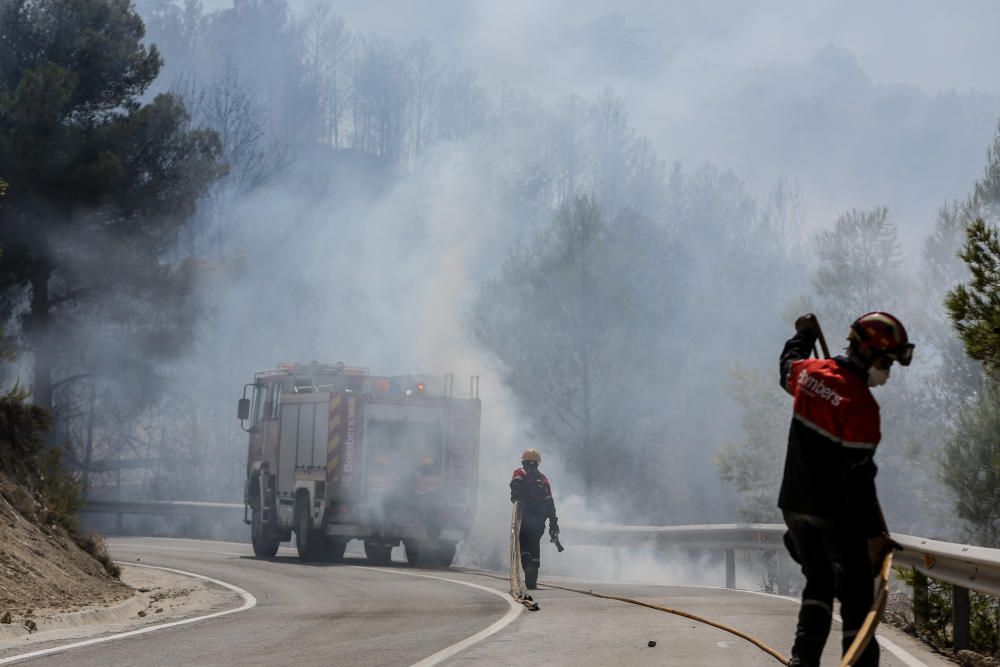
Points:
[518,591]
[684,614]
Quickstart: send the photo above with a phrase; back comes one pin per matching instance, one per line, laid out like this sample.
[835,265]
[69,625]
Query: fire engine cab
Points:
[337,454]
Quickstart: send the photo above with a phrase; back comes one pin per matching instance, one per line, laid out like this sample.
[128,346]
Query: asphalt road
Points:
[352,614]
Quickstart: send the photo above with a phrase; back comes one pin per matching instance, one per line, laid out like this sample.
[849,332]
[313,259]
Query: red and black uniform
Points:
[534,492]
[828,493]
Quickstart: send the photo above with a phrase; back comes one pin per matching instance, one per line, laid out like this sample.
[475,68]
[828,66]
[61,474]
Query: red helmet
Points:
[882,334]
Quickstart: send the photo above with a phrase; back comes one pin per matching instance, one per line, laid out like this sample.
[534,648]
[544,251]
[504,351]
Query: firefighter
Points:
[836,530]
[529,486]
[430,497]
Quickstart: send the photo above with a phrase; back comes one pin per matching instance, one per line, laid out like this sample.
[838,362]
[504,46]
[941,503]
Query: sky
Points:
[935,46]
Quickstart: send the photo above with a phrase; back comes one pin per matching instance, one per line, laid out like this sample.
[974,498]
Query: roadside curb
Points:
[249,602]
[119,612]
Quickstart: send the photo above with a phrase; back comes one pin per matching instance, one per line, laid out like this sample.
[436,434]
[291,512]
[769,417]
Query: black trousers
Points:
[835,564]
[532,529]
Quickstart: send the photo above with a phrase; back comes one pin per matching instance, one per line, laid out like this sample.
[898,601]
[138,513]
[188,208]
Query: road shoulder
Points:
[161,596]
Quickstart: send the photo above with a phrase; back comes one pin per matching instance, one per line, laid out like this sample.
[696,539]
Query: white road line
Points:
[898,651]
[437,658]
[906,657]
[249,602]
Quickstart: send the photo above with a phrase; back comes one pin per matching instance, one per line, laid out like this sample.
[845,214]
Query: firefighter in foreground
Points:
[529,486]
[836,530]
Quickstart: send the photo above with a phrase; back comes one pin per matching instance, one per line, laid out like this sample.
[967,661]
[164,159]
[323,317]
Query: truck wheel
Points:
[333,550]
[413,552]
[308,543]
[444,553]
[378,554]
[264,544]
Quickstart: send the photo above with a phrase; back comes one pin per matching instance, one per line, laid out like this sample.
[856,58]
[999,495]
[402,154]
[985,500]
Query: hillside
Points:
[46,564]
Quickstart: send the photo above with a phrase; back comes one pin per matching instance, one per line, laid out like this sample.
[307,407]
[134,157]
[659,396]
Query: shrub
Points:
[936,627]
[97,546]
[64,493]
[22,436]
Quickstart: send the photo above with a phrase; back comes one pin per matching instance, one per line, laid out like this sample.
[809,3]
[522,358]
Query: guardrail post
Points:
[730,568]
[616,563]
[960,617]
[921,604]
[784,573]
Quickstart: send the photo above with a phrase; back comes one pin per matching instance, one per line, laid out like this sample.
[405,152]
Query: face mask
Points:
[877,376]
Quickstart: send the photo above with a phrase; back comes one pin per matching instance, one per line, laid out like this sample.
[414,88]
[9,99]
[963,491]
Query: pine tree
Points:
[99,185]
[975,306]
[972,457]
[971,467]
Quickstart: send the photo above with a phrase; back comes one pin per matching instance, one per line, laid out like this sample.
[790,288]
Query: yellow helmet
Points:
[531,455]
[382,460]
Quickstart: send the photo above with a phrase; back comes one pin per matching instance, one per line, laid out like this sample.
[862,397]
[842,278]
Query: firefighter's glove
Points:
[878,548]
[553,529]
[515,490]
[807,321]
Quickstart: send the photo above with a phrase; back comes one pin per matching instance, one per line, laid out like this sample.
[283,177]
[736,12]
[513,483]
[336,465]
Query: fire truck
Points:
[337,454]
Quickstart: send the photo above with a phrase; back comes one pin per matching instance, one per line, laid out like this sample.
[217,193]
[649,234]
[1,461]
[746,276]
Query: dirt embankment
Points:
[43,569]
[46,565]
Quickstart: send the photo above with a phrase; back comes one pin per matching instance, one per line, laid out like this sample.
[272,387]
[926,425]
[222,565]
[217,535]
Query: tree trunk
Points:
[40,338]
[88,452]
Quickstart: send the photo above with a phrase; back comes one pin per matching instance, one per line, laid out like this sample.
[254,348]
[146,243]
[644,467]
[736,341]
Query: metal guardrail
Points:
[753,536]
[964,566]
[163,507]
[971,567]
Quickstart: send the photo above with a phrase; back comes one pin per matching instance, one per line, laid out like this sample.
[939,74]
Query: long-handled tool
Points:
[554,539]
[822,341]
[867,631]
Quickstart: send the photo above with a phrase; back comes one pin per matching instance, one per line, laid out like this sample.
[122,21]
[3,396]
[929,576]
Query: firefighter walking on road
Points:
[836,530]
[529,486]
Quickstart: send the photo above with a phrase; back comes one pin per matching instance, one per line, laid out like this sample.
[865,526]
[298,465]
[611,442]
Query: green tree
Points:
[975,306]
[754,466]
[859,265]
[957,376]
[99,185]
[568,319]
[971,468]
[986,193]
[972,459]
[861,270]
[543,318]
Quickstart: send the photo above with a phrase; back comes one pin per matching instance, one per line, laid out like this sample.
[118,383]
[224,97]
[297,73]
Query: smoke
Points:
[364,245]
[850,100]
